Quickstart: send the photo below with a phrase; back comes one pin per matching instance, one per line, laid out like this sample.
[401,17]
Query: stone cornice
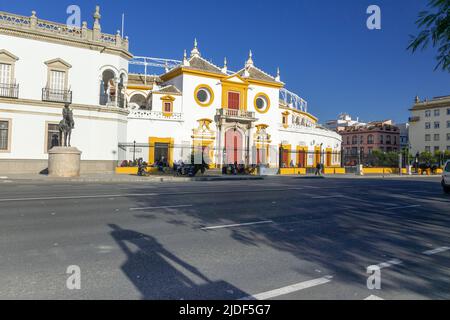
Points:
[42,30]
[438,103]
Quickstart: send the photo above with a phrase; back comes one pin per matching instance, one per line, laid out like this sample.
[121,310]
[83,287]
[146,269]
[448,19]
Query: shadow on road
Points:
[160,275]
[341,235]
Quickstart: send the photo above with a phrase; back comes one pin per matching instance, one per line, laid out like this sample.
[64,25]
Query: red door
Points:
[233,100]
[285,158]
[301,159]
[233,147]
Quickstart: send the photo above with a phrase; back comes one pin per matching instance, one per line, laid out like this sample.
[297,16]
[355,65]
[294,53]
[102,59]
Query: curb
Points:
[133,179]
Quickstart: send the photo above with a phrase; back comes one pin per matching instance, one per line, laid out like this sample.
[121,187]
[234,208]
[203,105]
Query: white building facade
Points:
[243,116]
[429,125]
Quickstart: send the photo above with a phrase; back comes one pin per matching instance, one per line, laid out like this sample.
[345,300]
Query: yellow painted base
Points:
[134,170]
[384,171]
[334,171]
[292,171]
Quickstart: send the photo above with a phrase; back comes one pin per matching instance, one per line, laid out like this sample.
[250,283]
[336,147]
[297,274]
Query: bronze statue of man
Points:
[66,126]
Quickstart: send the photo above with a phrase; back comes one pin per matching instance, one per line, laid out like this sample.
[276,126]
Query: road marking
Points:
[80,197]
[164,207]
[328,197]
[404,207]
[373,297]
[436,251]
[390,263]
[237,225]
[289,289]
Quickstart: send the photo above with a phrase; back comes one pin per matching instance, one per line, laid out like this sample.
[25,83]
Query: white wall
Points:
[84,76]
[96,134]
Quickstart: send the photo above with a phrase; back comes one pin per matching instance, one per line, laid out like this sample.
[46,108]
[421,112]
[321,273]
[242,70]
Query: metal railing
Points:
[9,90]
[292,100]
[53,95]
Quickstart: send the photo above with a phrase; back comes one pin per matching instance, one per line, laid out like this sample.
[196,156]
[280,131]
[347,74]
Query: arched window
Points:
[138,100]
[108,87]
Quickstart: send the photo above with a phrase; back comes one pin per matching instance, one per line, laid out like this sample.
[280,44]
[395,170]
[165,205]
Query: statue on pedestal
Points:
[66,126]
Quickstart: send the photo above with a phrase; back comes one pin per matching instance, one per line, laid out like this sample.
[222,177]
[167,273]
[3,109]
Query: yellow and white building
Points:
[243,116]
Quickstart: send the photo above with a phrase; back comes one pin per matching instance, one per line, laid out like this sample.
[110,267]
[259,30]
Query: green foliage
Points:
[434,28]
[426,157]
[384,159]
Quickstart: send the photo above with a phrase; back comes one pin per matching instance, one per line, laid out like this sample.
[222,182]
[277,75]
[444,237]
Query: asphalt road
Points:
[281,238]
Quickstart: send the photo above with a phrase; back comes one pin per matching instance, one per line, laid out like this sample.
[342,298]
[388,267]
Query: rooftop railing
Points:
[32,23]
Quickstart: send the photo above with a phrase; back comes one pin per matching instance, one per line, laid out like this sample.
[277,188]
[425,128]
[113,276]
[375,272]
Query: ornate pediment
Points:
[236,79]
[261,135]
[204,131]
[7,56]
[58,63]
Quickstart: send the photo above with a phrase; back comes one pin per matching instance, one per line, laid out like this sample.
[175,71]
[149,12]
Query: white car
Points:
[446,177]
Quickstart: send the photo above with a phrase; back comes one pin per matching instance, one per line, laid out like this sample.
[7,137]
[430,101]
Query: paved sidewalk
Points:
[120,178]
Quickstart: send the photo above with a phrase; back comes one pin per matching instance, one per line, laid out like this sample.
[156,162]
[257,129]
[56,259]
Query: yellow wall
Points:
[133,170]
[151,153]
[230,86]
[292,171]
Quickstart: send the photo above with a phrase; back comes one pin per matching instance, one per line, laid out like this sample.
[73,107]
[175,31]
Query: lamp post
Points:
[134,151]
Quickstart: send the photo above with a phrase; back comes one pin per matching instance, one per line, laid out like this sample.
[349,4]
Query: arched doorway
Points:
[234,147]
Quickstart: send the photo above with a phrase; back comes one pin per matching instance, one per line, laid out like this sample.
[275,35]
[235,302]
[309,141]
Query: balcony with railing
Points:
[9,90]
[414,119]
[236,115]
[155,115]
[54,95]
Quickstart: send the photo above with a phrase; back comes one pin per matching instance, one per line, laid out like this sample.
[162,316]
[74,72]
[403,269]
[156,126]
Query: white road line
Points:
[328,197]
[390,263]
[404,207]
[163,207]
[80,197]
[436,251]
[237,225]
[289,289]
[373,297]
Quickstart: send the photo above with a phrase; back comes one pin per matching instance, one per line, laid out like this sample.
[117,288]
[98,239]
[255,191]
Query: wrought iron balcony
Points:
[9,90]
[53,95]
[414,119]
[235,115]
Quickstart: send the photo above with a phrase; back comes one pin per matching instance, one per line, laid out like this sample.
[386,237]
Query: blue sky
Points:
[323,48]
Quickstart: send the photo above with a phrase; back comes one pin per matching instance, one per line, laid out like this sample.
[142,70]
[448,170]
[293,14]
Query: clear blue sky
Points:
[324,50]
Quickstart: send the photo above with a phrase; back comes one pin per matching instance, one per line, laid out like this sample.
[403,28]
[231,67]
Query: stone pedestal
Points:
[64,162]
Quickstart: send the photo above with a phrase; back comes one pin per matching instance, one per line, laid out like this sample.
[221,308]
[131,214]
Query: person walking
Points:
[318,168]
